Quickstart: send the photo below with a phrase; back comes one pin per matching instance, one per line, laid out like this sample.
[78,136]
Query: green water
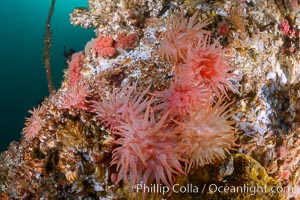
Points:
[22,76]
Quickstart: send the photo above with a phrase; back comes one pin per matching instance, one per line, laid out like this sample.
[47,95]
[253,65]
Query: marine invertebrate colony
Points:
[104,46]
[174,124]
[201,69]
[181,34]
[207,134]
[113,109]
[75,66]
[100,129]
[146,149]
[181,98]
[147,152]
[34,123]
[210,65]
[127,41]
[75,97]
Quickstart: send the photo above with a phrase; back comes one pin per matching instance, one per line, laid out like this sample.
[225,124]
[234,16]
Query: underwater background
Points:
[22,78]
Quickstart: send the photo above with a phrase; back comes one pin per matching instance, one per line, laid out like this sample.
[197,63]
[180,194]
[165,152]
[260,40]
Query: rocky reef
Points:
[171,100]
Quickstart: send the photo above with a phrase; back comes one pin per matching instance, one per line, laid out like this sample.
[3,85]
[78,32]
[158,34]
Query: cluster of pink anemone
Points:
[163,134]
